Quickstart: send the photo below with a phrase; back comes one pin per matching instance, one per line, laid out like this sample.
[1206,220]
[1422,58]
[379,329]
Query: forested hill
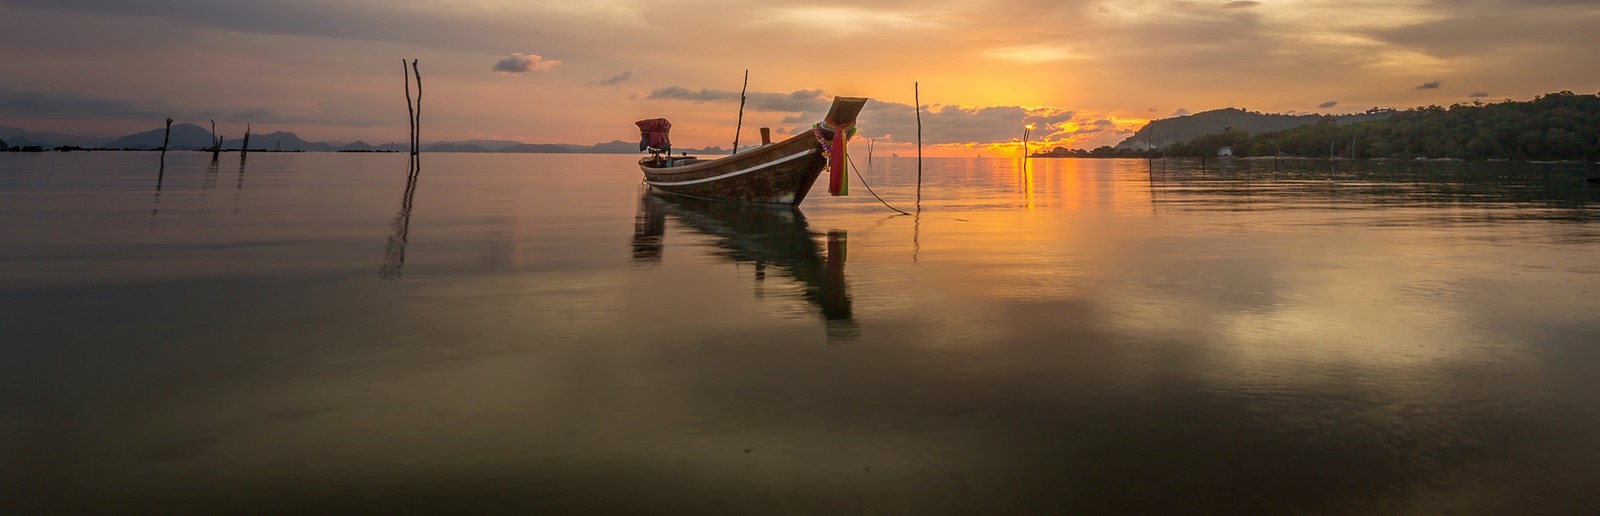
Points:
[1185,128]
[1554,126]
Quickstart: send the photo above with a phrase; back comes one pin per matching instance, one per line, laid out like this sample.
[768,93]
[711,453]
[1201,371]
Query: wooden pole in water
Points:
[411,113]
[916,98]
[216,145]
[1150,144]
[740,125]
[244,147]
[164,139]
[416,124]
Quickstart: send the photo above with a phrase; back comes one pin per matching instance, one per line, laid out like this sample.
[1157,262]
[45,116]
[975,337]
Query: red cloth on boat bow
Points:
[653,134]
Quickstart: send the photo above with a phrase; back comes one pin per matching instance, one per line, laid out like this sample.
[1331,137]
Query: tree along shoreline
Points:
[1557,127]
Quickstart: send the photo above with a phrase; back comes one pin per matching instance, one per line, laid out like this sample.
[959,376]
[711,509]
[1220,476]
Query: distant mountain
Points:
[361,146]
[280,140]
[453,147]
[184,137]
[486,145]
[537,148]
[18,137]
[1185,128]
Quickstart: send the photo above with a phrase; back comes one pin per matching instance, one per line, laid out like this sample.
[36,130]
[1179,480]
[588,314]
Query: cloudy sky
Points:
[581,71]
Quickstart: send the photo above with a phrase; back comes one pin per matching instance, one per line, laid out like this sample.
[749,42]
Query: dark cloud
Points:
[608,81]
[1492,26]
[519,63]
[1478,94]
[968,125]
[17,101]
[1095,126]
[1328,104]
[1050,118]
[343,20]
[1240,4]
[893,121]
[796,101]
[1430,85]
[24,102]
[947,124]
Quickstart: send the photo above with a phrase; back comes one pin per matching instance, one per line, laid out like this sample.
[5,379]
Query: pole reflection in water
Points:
[238,188]
[649,224]
[770,238]
[161,174]
[210,180]
[394,253]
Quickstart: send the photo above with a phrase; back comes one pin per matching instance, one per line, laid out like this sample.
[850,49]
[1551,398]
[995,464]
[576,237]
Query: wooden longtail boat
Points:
[774,173]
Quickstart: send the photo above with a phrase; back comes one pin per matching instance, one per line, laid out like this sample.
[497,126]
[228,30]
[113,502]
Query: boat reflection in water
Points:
[769,238]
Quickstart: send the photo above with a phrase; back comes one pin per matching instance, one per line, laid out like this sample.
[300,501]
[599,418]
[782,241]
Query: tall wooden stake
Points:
[411,113]
[1150,144]
[916,98]
[216,144]
[164,139]
[244,148]
[740,125]
[416,124]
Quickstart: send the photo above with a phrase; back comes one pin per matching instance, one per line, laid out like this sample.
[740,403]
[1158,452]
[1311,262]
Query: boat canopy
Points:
[653,135]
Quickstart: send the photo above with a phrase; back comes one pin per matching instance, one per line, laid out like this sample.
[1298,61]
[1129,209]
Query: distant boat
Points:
[774,173]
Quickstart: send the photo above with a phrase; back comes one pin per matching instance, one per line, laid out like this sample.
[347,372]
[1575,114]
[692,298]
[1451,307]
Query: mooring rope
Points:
[869,187]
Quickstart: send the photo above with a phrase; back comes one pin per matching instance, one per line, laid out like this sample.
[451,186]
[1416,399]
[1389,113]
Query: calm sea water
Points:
[530,333]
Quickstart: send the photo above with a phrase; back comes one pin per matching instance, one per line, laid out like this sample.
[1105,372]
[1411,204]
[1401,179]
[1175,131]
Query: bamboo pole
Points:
[161,173]
[916,98]
[244,148]
[216,145]
[740,125]
[411,113]
[164,139]
[416,125]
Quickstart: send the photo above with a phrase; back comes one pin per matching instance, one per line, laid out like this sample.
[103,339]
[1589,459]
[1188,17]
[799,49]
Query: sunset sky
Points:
[581,71]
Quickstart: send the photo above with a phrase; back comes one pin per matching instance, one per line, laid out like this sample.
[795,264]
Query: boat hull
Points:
[777,173]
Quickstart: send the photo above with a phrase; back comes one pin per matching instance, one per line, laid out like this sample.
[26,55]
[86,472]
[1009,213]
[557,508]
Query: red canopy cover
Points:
[653,134]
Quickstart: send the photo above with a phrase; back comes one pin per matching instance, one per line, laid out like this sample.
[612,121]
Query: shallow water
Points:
[530,333]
